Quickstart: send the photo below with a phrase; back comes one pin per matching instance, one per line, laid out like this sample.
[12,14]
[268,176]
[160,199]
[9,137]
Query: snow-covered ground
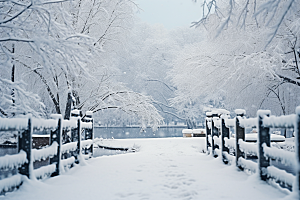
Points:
[163,168]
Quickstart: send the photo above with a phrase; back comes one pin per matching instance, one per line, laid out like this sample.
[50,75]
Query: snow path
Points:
[167,168]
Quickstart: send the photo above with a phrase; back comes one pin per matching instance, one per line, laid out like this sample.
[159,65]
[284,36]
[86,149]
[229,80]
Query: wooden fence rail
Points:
[23,160]
[219,124]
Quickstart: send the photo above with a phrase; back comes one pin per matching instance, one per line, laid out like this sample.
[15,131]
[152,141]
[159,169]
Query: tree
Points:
[237,66]
[145,63]
[57,48]
[43,44]
[109,23]
[30,104]
[269,13]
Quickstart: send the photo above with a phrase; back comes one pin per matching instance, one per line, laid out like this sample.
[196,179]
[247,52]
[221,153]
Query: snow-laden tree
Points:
[147,59]
[11,106]
[145,63]
[65,51]
[237,66]
[269,13]
[109,24]
[115,96]
[37,41]
[107,21]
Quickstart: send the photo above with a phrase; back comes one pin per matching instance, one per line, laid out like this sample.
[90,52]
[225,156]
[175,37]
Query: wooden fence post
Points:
[224,134]
[74,131]
[208,130]
[78,150]
[56,136]
[25,144]
[214,132]
[92,137]
[263,138]
[89,135]
[89,132]
[239,134]
[297,150]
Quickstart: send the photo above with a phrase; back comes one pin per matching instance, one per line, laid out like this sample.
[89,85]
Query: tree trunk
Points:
[65,137]
[68,106]
[13,79]
[190,124]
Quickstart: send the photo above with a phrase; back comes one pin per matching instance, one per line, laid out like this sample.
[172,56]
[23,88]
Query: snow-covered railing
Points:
[72,123]
[281,175]
[248,148]
[230,143]
[68,162]
[248,122]
[42,124]
[72,151]
[229,122]
[42,154]
[266,153]
[218,139]
[13,124]
[285,157]
[10,183]
[228,157]
[247,164]
[66,148]
[285,121]
[56,151]
[12,161]
[44,171]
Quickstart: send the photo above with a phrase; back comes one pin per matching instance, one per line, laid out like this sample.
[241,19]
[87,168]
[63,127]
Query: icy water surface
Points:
[137,132]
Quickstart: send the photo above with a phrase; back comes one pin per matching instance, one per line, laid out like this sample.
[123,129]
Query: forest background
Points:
[95,55]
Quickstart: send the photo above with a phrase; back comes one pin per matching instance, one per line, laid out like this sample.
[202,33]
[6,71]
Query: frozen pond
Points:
[137,132]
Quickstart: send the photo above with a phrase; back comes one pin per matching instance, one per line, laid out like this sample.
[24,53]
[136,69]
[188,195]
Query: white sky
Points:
[170,13]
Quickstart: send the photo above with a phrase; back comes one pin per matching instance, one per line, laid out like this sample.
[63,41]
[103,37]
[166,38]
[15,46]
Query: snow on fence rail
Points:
[66,148]
[219,143]
[44,171]
[287,121]
[12,161]
[56,151]
[11,182]
[42,154]
[248,148]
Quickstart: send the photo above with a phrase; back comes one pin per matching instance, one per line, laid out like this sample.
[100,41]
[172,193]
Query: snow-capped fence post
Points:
[208,129]
[89,132]
[263,138]
[224,134]
[214,132]
[239,135]
[56,136]
[297,148]
[78,150]
[75,114]
[25,144]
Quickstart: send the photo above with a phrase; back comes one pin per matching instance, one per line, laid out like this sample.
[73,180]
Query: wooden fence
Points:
[61,156]
[235,150]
